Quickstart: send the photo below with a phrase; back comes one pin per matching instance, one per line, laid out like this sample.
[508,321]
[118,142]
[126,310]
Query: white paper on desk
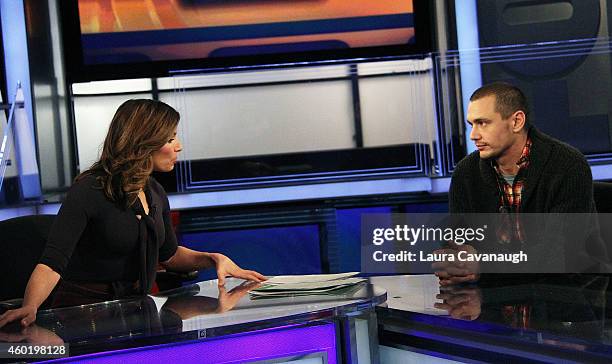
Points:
[307,286]
[337,290]
[293,293]
[309,278]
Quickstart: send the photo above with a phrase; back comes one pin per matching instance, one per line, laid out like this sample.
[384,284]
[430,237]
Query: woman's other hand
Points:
[227,268]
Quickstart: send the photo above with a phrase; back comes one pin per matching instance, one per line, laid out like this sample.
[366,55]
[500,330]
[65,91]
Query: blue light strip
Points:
[250,31]
[9,213]
[302,192]
[194,186]
[275,194]
[272,345]
[602,172]
[467,36]
[294,193]
[49,208]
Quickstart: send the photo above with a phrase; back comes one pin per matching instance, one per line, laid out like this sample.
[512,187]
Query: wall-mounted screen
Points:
[119,38]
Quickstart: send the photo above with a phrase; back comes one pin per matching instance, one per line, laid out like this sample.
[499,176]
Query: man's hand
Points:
[227,268]
[455,272]
[461,303]
[26,315]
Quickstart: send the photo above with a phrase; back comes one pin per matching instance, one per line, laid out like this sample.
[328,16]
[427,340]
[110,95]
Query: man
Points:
[516,167]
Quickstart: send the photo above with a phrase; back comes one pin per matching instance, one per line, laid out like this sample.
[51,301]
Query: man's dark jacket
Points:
[557,180]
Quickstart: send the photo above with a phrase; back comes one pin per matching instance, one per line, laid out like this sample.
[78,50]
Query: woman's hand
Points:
[227,268]
[227,300]
[41,283]
[32,334]
[26,315]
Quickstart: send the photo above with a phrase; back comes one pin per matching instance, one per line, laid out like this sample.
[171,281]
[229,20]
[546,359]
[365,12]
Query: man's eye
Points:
[170,141]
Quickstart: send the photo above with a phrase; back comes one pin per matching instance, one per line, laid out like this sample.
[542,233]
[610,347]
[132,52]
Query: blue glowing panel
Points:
[288,343]
[349,235]
[271,251]
[426,208]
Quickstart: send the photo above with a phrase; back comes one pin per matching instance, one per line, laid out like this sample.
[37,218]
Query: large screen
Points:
[175,34]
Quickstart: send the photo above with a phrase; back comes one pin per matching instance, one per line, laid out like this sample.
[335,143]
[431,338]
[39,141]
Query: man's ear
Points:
[518,121]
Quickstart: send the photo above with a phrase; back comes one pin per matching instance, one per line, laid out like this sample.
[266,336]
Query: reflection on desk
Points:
[501,318]
[195,312]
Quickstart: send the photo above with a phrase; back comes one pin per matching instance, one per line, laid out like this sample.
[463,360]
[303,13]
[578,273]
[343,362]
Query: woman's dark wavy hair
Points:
[139,128]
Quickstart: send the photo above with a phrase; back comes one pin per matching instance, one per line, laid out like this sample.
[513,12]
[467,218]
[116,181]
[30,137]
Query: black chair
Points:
[22,240]
[602,193]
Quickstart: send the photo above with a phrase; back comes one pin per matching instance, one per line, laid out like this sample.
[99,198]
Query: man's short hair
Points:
[508,98]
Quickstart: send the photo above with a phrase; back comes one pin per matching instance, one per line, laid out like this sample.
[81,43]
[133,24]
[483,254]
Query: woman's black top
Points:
[96,240]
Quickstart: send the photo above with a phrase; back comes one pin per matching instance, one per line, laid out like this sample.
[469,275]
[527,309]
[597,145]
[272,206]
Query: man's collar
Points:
[538,154]
[524,159]
[522,162]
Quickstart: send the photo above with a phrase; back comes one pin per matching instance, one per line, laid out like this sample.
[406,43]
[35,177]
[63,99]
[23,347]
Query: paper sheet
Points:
[309,278]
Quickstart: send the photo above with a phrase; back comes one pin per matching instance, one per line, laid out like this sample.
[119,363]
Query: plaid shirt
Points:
[510,197]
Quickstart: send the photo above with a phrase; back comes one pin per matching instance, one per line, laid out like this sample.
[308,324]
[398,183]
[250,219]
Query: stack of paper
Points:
[301,285]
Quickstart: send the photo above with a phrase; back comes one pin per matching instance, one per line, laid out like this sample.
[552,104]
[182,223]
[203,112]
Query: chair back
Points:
[22,241]
[602,193]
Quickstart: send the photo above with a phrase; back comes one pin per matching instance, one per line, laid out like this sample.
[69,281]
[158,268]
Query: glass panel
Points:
[305,124]
[567,83]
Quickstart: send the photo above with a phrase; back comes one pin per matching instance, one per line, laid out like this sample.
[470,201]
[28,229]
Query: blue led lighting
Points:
[467,36]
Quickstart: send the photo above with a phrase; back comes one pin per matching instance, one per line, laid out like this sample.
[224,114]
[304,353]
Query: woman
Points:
[114,226]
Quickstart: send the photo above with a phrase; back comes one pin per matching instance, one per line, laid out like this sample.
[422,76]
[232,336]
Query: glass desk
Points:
[501,318]
[203,323]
